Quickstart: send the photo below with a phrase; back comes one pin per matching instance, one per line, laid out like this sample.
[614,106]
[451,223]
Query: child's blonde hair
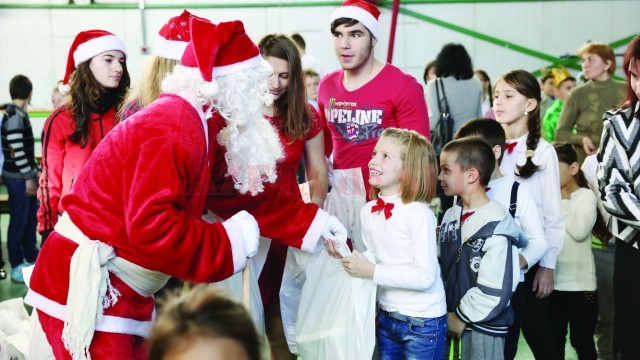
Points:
[148,87]
[418,182]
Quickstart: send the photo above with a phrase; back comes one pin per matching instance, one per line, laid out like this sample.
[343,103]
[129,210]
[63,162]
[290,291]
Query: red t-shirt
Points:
[357,118]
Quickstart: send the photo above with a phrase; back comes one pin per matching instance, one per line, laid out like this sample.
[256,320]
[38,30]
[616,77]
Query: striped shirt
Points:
[17,145]
[619,173]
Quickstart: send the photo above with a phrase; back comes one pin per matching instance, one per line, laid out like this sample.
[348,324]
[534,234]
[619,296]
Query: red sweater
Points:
[62,159]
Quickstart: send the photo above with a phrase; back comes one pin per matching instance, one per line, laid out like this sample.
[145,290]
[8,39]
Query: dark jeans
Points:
[1,256]
[410,338]
[21,237]
[513,336]
[579,311]
[604,274]
[533,316]
[626,295]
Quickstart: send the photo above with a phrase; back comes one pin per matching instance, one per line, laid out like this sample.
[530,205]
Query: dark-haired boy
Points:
[20,174]
[479,243]
[517,198]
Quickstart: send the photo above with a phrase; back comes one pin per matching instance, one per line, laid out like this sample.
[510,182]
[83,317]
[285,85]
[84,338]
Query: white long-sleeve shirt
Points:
[545,189]
[405,251]
[576,270]
[527,217]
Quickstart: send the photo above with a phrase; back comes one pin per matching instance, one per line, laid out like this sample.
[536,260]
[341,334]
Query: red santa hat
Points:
[174,36]
[363,11]
[220,49]
[86,45]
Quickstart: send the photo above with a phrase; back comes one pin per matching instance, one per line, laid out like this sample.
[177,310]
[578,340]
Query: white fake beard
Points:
[252,144]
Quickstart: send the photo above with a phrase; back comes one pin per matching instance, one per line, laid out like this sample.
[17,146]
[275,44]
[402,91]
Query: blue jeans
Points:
[406,337]
[21,237]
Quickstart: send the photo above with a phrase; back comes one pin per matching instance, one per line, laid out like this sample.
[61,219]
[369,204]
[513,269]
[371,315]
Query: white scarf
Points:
[90,291]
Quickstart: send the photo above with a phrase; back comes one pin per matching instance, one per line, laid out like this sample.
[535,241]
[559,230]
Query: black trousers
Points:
[532,316]
[578,312]
[626,297]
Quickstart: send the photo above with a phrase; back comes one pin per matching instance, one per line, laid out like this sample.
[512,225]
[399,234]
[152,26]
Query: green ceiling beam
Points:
[487,38]
[233,5]
[39,114]
[571,63]
[555,61]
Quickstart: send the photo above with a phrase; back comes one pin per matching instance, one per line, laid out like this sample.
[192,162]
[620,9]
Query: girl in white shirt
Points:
[399,231]
[574,301]
[531,160]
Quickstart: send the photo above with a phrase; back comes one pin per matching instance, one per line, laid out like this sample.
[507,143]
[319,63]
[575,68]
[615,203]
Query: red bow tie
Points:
[465,216]
[487,189]
[381,205]
[511,146]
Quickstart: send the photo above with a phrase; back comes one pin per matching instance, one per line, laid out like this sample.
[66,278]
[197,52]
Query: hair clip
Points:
[530,153]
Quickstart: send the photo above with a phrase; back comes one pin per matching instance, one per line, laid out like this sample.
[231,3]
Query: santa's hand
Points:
[334,230]
[243,227]
[337,249]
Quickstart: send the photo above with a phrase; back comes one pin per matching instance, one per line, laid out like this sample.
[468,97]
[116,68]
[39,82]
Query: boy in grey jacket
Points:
[478,241]
[20,174]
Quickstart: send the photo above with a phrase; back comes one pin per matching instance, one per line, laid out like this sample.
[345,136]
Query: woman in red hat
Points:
[96,79]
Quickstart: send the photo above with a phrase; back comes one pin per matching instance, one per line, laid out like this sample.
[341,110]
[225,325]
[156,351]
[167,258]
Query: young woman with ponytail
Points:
[532,160]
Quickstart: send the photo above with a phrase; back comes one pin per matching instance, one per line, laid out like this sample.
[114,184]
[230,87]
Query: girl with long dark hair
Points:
[96,79]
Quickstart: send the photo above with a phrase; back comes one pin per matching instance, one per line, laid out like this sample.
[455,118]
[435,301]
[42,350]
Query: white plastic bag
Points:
[336,317]
[344,201]
[14,330]
[293,281]
[37,347]
[233,285]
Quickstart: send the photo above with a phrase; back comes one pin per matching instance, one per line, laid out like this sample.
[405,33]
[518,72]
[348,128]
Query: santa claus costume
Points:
[134,216]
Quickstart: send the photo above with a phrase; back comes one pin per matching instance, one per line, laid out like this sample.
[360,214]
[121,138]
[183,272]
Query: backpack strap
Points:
[438,95]
[485,232]
[440,84]
[513,202]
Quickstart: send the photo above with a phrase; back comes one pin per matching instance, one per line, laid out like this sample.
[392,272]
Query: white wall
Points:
[35,42]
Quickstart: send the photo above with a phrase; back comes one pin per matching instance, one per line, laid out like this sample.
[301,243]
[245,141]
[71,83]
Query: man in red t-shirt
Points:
[360,100]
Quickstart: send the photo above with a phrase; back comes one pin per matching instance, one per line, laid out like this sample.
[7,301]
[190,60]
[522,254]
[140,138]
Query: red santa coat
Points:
[143,192]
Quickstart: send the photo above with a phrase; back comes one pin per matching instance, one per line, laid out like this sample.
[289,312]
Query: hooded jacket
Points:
[482,271]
